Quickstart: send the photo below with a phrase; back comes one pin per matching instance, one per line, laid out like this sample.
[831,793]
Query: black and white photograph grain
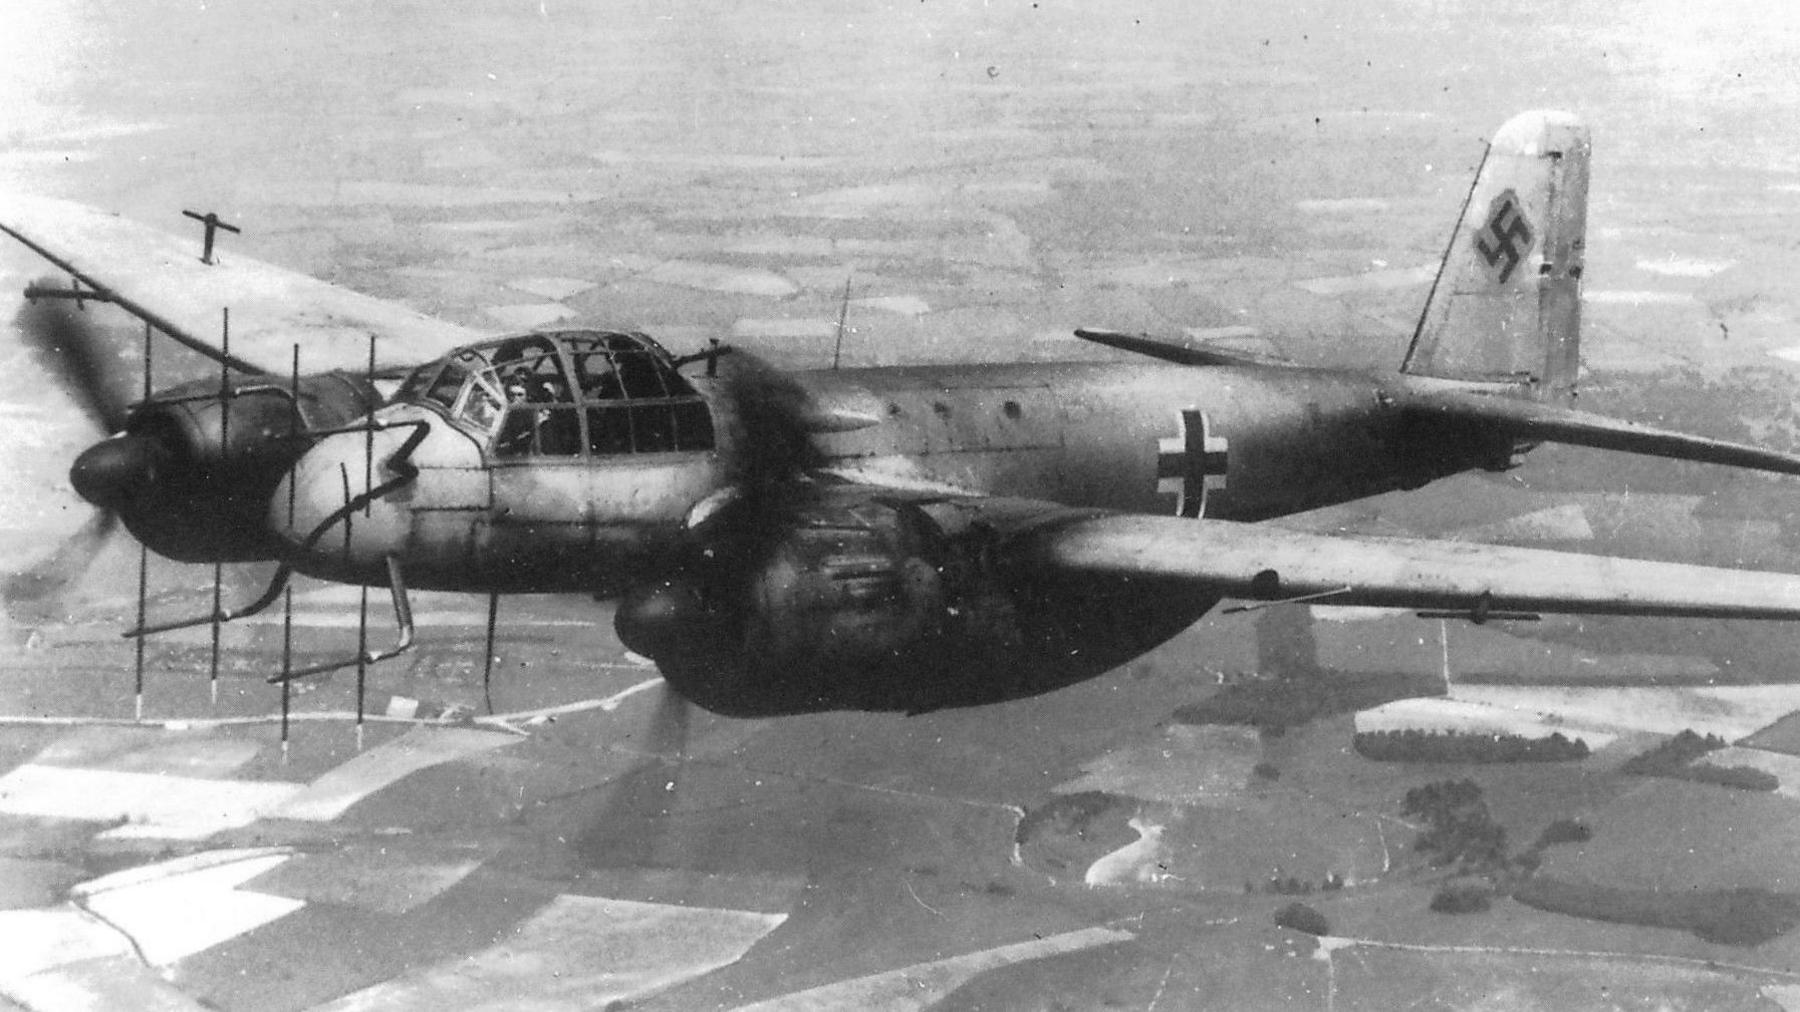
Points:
[899,505]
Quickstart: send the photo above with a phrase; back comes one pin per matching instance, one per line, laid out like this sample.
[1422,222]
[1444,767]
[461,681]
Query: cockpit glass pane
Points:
[609,431]
[639,375]
[516,432]
[481,406]
[581,393]
[536,376]
[417,382]
[693,426]
[449,383]
[595,374]
[559,431]
[541,430]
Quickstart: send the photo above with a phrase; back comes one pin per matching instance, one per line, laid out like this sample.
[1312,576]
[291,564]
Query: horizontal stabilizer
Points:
[1271,563]
[1187,351]
[1544,422]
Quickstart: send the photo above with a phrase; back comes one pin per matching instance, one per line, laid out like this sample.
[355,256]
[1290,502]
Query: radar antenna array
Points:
[281,585]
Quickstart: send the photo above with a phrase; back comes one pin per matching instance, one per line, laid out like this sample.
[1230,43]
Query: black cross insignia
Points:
[1191,463]
[1506,236]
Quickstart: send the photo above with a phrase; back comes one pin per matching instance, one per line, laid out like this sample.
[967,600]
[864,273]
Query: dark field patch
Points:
[1726,917]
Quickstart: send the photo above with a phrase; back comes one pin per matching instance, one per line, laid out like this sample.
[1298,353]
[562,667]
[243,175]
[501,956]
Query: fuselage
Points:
[1231,442]
[584,508]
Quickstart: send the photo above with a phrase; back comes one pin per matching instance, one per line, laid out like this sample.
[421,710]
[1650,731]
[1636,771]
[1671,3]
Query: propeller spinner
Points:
[112,473]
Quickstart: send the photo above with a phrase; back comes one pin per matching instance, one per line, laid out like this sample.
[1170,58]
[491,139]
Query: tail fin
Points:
[1506,305]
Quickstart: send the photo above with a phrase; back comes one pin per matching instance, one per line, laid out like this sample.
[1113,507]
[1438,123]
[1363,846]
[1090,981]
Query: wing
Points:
[1264,562]
[160,279]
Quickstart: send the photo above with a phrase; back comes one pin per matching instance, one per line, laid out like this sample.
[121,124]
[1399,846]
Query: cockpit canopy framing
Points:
[566,394]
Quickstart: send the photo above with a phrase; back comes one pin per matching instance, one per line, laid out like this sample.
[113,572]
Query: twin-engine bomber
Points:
[875,538]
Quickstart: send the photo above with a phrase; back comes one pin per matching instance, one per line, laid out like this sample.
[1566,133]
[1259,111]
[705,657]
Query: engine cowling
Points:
[192,473]
[865,604]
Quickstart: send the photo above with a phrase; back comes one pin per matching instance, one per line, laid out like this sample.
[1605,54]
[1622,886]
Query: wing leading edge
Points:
[1264,562]
[160,279]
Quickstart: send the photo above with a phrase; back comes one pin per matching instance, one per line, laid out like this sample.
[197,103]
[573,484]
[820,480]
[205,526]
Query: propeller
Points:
[667,735]
[48,578]
[66,343]
[776,415]
[630,825]
[767,420]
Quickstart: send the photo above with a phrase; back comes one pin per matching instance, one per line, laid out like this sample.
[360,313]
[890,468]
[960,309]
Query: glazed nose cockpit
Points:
[516,451]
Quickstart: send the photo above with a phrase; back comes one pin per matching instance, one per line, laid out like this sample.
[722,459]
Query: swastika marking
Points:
[1191,463]
[1507,236]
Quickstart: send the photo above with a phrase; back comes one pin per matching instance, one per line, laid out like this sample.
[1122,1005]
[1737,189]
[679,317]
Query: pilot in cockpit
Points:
[532,424]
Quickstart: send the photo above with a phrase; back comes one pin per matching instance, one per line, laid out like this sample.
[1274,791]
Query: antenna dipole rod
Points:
[287,614]
[487,661]
[294,423]
[147,352]
[224,455]
[212,679]
[143,587]
[137,712]
[837,352]
[369,436]
[362,621]
[362,660]
[287,665]
[350,515]
[224,381]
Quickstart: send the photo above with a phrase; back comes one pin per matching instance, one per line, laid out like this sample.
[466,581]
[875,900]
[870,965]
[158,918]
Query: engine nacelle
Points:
[872,605]
[192,474]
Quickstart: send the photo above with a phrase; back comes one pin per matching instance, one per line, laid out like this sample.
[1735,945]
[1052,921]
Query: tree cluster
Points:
[1301,917]
[1463,898]
[1672,754]
[1413,745]
[1563,831]
[1458,832]
[1675,760]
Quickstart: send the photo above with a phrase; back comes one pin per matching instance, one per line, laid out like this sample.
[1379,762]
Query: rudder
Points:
[1506,305]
